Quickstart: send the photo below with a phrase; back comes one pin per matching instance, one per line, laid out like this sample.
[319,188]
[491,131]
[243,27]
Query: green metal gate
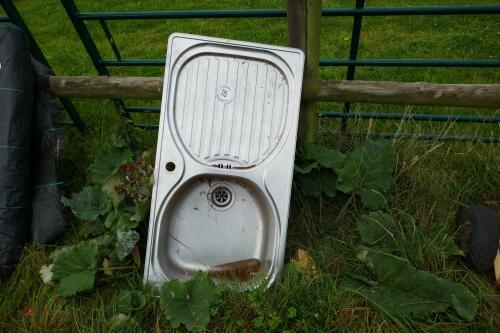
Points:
[102,65]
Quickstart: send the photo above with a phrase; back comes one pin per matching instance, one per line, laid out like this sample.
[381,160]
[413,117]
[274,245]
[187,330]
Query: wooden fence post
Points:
[304,28]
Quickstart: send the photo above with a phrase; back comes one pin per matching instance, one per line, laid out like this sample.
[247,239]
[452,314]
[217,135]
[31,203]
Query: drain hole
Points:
[170,166]
[221,196]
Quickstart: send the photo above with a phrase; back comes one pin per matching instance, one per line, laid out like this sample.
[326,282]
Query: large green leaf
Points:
[75,268]
[318,181]
[89,203]
[106,163]
[188,303]
[125,242]
[378,228]
[404,293]
[326,157]
[368,172]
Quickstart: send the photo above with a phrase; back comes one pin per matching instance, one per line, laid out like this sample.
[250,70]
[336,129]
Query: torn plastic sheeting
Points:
[29,197]
[16,103]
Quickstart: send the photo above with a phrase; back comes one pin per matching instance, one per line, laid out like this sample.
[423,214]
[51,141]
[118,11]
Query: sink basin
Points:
[202,227]
[224,161]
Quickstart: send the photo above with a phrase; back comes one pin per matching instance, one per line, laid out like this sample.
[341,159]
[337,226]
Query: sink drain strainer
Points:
[220,197]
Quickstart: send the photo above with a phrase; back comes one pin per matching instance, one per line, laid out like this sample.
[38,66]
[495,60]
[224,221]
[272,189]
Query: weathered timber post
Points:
[304,21]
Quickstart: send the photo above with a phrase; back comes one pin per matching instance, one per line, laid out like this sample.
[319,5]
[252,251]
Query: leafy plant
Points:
[404,293]
[188,303]
[111,208]
[88,204]
[107,162]
[315,169]
[366,171]
[323,156]
[75,268]
[378,228]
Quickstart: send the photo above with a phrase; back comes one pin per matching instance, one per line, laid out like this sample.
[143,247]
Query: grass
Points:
[433,179]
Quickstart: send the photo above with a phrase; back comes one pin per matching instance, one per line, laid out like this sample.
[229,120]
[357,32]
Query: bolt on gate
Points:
[304,31]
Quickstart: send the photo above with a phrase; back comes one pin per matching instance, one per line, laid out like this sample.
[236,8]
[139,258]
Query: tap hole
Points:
[170,166]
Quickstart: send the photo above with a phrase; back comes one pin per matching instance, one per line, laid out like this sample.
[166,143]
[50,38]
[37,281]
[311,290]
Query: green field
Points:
[433,179]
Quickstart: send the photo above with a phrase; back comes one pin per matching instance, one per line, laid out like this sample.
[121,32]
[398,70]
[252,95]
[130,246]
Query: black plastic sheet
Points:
[48,220]
[30,207]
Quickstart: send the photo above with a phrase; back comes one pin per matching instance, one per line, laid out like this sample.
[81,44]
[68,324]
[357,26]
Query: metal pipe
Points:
[184,14]
[134,62]
[414,117]
[147,127]
[343,62]
[409,136]
[143,109]
[111,40]
[353,55]
[254,13]
[423,10]
[410,62]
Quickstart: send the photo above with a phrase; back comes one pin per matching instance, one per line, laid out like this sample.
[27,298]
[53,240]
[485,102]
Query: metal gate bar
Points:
[414,117]
[343,62]
[14,17]
[421,10]
[410,62]
[353,54]
[91,48]
[255,13]
[425,137]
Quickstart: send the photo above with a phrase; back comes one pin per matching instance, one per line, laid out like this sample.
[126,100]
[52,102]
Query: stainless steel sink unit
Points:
[224,162]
